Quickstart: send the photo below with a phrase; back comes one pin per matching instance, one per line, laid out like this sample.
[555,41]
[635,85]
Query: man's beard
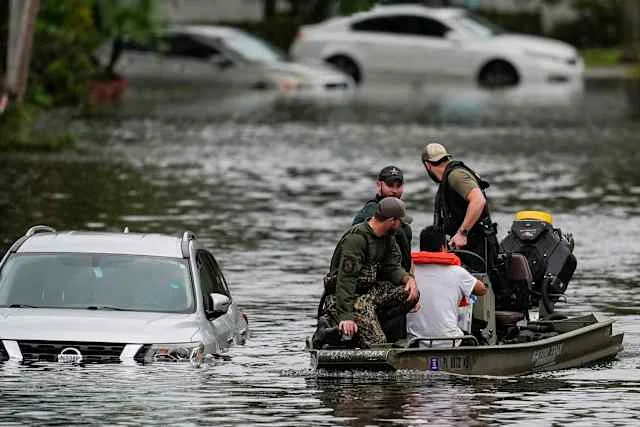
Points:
[393,231]
[433,177]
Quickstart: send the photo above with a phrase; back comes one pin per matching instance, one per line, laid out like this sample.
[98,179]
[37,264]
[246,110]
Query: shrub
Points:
[17,131]
[600,24]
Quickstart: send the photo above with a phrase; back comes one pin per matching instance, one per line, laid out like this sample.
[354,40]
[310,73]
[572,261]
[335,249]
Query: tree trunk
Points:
[632,30]
[296,8]
[269,8]
[4,41]
[634,20]
[116,52]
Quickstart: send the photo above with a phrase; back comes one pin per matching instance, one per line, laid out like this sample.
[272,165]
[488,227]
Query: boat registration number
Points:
[449,363]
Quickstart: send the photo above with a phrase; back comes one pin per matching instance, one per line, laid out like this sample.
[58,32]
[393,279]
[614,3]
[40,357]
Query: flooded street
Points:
[269,187]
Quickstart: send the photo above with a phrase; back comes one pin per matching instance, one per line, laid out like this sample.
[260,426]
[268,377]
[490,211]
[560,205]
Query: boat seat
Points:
[508,318]
[519,270]
[520,282]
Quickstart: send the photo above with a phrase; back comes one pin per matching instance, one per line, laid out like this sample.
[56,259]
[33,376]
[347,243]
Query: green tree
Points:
[67,34]
[118,21]
[347,7]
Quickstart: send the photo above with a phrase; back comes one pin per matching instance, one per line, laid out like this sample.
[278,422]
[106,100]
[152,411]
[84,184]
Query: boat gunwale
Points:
[596,324]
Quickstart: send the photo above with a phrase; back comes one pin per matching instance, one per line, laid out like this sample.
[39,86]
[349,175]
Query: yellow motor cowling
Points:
[535,215]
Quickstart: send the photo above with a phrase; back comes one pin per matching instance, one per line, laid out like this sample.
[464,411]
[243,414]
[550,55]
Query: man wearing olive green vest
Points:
[461,208]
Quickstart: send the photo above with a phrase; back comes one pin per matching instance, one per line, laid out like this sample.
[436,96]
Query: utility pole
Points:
[4,38]
[22,16]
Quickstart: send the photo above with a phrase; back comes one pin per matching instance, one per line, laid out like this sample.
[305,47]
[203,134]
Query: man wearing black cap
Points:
[366,278]
[390,183]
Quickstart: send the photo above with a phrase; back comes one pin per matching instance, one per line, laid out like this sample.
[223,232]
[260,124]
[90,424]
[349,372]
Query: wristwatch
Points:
[463,231]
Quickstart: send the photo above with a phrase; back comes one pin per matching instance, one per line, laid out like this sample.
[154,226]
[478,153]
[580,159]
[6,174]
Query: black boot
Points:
[325,335]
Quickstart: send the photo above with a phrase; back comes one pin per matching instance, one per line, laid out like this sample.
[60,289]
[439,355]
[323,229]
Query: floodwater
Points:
[270,187]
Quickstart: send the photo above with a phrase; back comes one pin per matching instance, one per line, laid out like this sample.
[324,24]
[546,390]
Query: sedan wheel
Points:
[498,74]
[347,66]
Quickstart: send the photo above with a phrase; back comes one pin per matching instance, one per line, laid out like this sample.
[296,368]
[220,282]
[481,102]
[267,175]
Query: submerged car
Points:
[106,297]
[420,44]
[223,58]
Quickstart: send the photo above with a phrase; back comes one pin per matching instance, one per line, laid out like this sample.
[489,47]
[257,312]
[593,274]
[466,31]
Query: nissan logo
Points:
[70,355]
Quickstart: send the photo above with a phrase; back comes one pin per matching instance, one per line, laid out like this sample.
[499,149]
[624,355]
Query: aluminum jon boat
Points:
[514,330]
[579,341]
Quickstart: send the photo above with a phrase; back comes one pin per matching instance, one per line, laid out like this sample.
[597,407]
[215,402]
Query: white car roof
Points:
[207,30]
[103,243]
[409,9]
[442,13]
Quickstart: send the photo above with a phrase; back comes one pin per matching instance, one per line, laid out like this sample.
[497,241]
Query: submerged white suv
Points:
[104,297]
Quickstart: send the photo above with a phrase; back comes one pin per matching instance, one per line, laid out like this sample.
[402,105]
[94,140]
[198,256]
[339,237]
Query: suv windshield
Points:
[96,281]
[253,49]
[478,26]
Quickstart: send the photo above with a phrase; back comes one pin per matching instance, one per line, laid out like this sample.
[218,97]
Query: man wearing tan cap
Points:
[461,208]
[366,279]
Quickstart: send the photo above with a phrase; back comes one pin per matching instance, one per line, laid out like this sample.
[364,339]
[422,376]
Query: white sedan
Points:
[219,58]
[422,45]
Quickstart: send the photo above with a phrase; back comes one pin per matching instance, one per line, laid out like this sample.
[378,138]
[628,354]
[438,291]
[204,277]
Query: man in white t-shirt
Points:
[442,283]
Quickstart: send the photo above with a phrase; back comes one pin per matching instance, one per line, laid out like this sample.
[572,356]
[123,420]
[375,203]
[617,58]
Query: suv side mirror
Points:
[220,305]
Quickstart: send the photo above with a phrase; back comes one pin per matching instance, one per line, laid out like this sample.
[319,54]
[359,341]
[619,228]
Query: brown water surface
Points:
[270,188]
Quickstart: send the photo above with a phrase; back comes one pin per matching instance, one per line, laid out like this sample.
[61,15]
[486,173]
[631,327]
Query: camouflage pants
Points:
[382,298]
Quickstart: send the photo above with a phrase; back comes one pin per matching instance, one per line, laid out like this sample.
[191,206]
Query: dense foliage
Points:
[600,24]
[67,34]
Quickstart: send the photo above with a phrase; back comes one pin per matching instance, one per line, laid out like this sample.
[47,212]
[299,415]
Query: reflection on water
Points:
[436,399]
[633,93]
[460,104]
[269,188]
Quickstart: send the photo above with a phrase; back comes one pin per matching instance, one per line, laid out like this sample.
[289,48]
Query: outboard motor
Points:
[549,255]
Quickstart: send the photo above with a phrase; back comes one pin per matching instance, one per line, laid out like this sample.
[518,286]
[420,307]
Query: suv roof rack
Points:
[39,229]
[30,232]
[187,236]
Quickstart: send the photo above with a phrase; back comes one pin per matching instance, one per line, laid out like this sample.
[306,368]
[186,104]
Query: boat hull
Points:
[581,341]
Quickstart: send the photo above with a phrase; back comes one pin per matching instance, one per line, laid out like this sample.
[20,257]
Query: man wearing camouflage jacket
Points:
[366,276]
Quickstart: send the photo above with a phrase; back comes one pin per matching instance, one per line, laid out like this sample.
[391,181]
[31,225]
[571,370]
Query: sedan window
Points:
[383,24]
[422,26]
[118,282]
[253,49]
[139,46]
[478,26]
[403,24]
[185,46]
